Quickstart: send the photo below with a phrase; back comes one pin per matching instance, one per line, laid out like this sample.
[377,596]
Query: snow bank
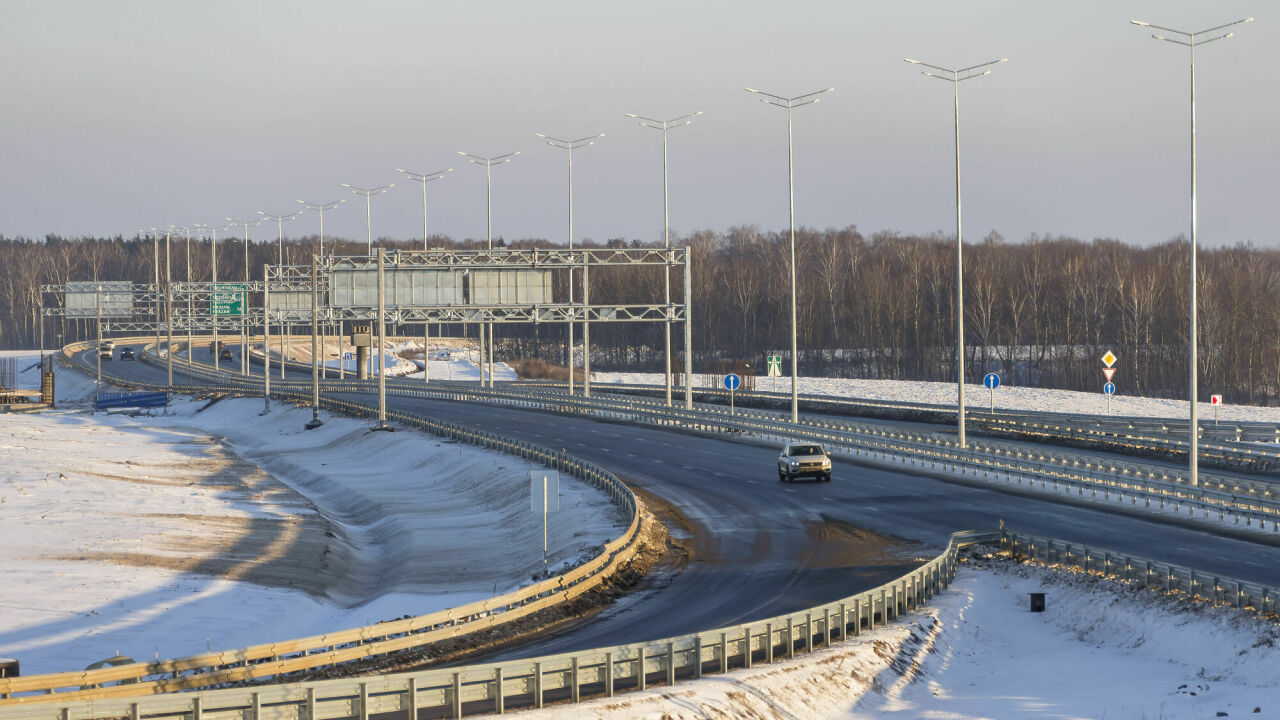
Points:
[1007,397]
[160,535]
[1101,650]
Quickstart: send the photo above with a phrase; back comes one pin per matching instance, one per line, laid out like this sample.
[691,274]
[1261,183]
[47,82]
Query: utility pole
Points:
[488,163]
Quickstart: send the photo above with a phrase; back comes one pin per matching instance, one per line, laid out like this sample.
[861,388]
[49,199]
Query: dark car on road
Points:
[224,354]
[126,354]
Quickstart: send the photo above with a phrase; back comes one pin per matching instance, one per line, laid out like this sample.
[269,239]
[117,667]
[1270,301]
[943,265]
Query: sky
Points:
[137,114]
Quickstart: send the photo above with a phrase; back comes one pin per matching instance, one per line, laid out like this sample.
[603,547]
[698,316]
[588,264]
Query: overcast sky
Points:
[126,115]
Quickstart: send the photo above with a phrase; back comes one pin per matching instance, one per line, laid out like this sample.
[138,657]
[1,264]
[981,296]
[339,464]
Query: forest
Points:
[1039,312]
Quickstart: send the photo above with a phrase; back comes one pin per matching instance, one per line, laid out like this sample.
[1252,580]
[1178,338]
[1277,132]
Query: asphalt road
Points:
[759,548]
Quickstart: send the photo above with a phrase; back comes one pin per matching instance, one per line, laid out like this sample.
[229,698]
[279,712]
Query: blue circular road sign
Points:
[732,382]
[992,381]
[1109,388]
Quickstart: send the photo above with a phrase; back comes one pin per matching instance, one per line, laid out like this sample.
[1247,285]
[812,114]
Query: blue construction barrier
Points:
[108,401]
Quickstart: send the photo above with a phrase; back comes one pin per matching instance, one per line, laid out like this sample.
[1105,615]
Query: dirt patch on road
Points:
[837,544]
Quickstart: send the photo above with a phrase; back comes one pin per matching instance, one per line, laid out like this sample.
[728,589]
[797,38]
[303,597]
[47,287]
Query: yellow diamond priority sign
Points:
[1109,358]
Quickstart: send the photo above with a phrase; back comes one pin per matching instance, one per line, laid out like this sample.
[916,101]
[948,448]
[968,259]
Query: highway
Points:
[758,548]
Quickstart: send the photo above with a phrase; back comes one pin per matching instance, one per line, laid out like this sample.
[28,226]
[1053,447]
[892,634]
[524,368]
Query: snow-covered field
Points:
[1006,397]
[446,359]
[1102,649]
[217,527]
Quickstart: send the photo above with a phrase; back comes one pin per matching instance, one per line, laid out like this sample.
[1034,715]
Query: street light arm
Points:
[982,65]
[1198,43]
[761,92]
[1227,25]
[1140,23]
[1183,43]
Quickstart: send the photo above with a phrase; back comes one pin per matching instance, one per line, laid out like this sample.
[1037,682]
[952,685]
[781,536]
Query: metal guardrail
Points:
[1242,594]
[281,658]
[982,461]
[532,682]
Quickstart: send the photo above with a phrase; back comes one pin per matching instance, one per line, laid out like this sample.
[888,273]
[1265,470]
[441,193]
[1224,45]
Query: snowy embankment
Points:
[1102,649]
[446,359]
[219,527]
[1007,397]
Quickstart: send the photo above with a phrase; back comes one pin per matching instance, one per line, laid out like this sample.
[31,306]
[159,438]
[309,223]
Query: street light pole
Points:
[955,77]
[790,104]
[187,230]
[425,178]
[572,145]
[1191,40]
[488,163]
[368,194]
[279,220]
[664,126]
[244,302]
[320,208]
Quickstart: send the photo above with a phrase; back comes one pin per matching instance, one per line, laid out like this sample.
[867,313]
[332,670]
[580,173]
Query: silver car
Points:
[804,459]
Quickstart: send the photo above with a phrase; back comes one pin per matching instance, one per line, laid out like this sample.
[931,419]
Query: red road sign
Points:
[1108,372]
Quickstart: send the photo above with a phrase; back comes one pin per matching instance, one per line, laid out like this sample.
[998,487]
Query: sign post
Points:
[732,382]
[1108,372]
[992,381]
[544,497]
[1216,401]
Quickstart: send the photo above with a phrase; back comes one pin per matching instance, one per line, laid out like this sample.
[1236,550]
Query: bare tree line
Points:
[1040,312]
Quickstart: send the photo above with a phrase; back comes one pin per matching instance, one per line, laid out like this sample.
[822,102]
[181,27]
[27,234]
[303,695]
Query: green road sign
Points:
[228,299]
[775,365]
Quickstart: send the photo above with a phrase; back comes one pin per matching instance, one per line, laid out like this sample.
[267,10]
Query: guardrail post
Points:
[791,638]
[697,656]
[497,691]
[746,647]
[671,663]
[410,701]
[608,674]
[826,627]
[135,715]
[537,684]
[573,678]
[196,711]
[640,678]
[255,708]
[364,701]
[456,692]
[724,653]
[768,642]
[844,621]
